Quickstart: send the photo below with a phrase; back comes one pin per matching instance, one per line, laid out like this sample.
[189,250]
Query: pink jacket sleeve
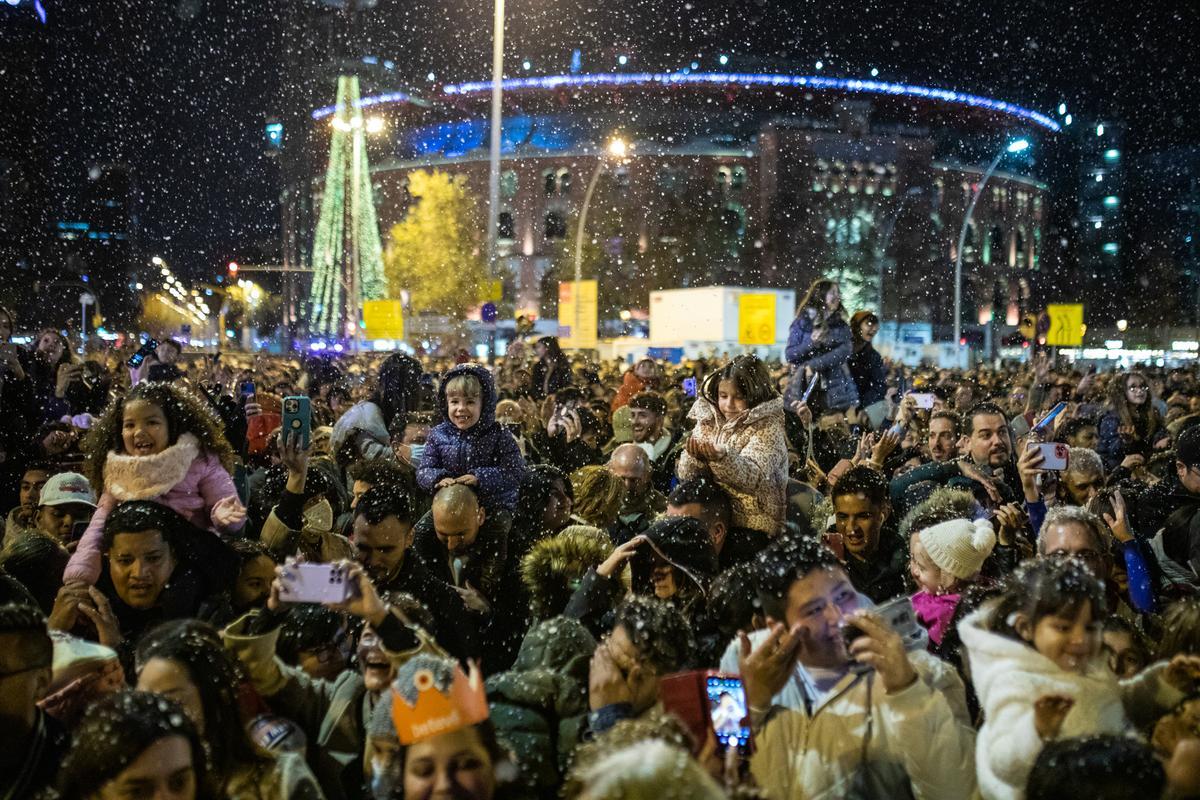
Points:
[216,484]
[85,561]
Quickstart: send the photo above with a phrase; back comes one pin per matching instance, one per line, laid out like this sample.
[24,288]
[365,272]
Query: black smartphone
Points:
[137,358]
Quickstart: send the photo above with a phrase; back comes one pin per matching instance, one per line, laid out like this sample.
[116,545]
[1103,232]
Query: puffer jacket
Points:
[828,356]
[485,450]
[921,743]
[1009,676]
[753,469]
[539,707]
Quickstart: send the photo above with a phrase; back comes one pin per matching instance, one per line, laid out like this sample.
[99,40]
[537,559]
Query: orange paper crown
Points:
[432,696]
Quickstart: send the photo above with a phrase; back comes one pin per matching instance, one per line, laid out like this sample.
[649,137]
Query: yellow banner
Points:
[585,337]
[756,319]
[1066,325]
[384,319]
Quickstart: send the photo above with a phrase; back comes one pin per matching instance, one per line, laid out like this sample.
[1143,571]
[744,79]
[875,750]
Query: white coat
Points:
[1009,676]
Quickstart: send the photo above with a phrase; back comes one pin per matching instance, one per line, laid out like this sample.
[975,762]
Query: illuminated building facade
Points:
[740,178]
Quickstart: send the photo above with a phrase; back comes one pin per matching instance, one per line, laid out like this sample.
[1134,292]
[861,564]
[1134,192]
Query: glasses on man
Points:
[1092,559]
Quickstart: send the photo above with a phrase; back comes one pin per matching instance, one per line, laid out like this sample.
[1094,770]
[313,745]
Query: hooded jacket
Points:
[684,544]
[485,450]
[554,567]
[539,707]
[1010,675]
[754,467]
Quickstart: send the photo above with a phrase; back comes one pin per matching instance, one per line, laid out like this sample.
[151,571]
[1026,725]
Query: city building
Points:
[752,178]
[24,153]
[1103,196]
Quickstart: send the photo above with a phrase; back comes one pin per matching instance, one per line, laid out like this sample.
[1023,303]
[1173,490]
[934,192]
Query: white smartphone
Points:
[923,399]
[315,583]
[1055,455]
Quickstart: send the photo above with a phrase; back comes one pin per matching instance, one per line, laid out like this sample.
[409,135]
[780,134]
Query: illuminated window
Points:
[508,183]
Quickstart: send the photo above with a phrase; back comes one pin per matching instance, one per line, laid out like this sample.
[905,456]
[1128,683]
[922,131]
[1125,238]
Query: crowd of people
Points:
[906,581]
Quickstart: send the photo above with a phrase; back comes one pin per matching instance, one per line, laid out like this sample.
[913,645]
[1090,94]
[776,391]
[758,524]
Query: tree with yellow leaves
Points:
[436,252]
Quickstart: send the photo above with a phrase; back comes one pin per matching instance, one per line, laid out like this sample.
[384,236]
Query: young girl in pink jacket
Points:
[161,443]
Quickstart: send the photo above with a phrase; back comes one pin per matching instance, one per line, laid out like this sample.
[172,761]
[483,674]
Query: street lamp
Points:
[617,149]
[1015,146]
[494,150]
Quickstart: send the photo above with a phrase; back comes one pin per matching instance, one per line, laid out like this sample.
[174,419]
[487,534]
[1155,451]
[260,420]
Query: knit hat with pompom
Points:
[959,546]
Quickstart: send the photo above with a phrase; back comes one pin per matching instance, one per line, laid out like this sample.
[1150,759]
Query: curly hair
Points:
[186,412]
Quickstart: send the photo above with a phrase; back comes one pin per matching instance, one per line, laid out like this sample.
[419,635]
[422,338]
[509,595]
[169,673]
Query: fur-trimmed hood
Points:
[553,567]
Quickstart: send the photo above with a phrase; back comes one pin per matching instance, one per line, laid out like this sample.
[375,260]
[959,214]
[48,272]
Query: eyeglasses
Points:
[1089,557]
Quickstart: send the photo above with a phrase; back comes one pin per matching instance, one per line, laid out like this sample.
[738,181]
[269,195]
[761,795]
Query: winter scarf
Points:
[147,477]
[935,611]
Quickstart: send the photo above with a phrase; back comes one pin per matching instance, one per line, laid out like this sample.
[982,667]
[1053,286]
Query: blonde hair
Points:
[466,385]
[598,495]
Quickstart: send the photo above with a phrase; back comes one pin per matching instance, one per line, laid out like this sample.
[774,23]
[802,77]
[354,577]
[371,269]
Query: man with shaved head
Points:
[471,556]
[642,502]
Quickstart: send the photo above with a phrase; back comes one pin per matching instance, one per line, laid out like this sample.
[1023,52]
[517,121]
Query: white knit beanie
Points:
[959,546]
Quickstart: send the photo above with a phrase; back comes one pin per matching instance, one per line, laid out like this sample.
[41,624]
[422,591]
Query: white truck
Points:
[722,319]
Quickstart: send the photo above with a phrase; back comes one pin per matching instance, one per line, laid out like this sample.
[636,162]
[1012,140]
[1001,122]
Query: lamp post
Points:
[1016,146]
[616,149]
[497,117]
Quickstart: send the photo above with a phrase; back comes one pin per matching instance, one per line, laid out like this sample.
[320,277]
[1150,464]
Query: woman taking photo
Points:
[1131,425]
[819,344]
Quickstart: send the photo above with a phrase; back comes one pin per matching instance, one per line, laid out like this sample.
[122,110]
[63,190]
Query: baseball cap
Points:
[66,488]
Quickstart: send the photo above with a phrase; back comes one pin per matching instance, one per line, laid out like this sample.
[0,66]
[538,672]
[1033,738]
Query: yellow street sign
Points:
[384,319]
[756,319]
[1066,325]
[585,337]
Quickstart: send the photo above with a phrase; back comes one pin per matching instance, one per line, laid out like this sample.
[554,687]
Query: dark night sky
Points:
[180,88]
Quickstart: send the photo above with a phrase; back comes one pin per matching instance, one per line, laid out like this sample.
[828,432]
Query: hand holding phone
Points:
[1055,455]
[320,584]
[297,419]
[137,358]
[811,385]
[923,400]
[1046,422]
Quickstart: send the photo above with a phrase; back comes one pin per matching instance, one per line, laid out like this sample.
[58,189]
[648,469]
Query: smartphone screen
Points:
[1049,418]
[689,387]
[811,385]
[727,711]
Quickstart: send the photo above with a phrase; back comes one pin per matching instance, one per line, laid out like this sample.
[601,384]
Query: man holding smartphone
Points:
[801,687]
